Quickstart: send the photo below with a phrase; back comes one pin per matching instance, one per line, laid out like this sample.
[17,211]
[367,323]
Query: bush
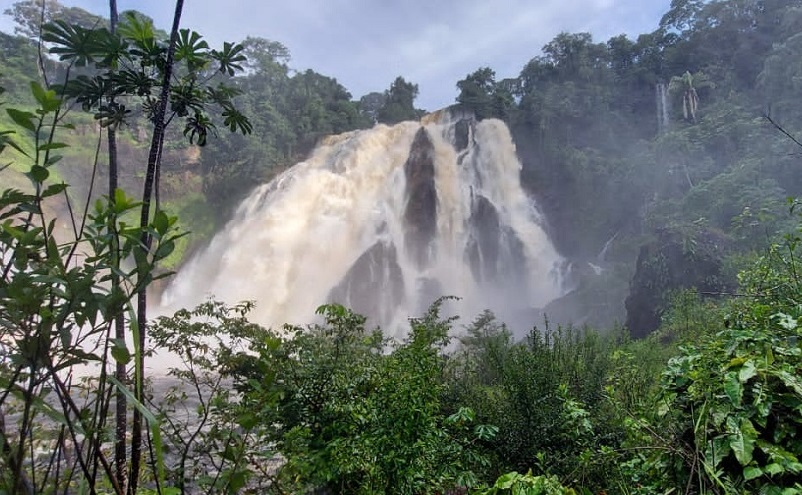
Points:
[355,414]
[546,395]
[728,417]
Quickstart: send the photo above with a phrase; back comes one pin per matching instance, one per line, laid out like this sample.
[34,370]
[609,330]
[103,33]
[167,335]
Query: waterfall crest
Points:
[384,221]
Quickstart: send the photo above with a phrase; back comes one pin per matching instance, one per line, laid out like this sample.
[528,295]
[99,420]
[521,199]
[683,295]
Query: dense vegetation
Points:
[709,403]
[588,115]
[669,138]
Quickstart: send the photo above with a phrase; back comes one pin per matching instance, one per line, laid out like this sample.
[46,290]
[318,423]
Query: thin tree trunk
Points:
[142,305]
[121,421]
[40,56]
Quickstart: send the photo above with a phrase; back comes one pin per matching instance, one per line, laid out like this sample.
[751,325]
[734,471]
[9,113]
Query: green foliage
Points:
[347,410]
[741,396]
[56,307]
[204,419]
[727,413]
[351,418]
[480,94]
[687,86]
[398,103]
[526,484]
[545,394]
[28,14]
[131,64]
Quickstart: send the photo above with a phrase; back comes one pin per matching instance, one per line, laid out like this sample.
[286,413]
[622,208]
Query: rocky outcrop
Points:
[420,216]
[374,285]
[483,249]
[596,298]
[674,260]
[462,134]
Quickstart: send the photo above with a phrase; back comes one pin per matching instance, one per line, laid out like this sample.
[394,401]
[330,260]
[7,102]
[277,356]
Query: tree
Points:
[30,15]
[399,104]
[57,312]
[134,64]
[477,92]
[265,58]
[682,15]
[486,98]
[686,85]
[371,104]
[121,415]
[576,56]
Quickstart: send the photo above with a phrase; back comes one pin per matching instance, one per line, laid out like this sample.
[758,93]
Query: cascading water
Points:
[661,95]
[384,221]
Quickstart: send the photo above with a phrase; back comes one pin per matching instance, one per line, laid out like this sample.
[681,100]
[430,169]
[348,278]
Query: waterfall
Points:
[661,93]
[384,221]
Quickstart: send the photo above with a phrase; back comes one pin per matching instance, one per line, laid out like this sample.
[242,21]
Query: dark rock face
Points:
[483,249]
[597,297]
[421,212]
[550,184]
[374,284]
[462,134]
[673,261]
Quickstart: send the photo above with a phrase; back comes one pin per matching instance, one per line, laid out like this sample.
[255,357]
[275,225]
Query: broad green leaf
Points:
[742,439]
[72,42]
[164,250]
[38,174]
[230,57]
[22,119]
[54,189]
[161,222]
[752,472]
[47,99]
[191,48]
[52,146]
[120,352]
[733,388]
[136,27]
[234,120]
[763,407]
[791,381]
[52,160]
[717,450]
[506,481]
[737,361]
[5,140]
[786,321]
[38,92]
[747,371]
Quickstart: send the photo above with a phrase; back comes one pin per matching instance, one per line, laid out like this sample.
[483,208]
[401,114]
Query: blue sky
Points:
[365,44]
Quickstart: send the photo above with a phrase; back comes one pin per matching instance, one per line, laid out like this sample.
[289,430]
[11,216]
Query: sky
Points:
[366,44]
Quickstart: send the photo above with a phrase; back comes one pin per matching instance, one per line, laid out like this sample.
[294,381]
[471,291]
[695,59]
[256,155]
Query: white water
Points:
[661,94]
[293,240]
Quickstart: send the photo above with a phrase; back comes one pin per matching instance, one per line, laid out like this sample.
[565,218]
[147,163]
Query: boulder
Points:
[674,260]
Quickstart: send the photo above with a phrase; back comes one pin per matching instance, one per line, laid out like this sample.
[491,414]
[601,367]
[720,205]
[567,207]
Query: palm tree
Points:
[687,84]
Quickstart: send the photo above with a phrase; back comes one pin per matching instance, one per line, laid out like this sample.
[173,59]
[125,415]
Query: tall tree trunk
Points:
[121,421]
[154,155]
